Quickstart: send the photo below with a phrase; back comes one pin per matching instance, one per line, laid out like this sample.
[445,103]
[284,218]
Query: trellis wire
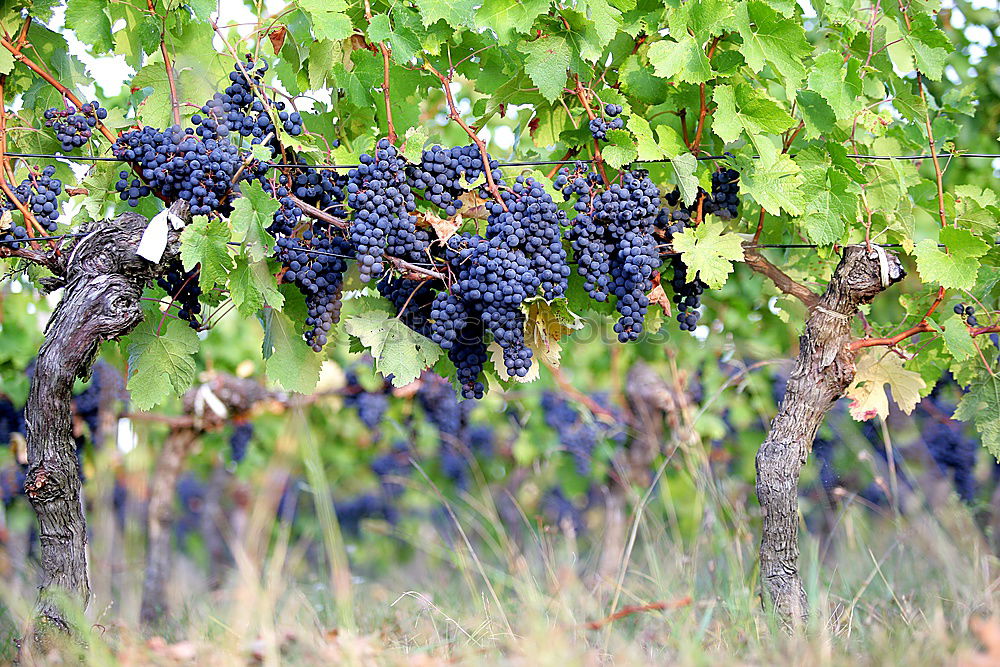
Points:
[270,165]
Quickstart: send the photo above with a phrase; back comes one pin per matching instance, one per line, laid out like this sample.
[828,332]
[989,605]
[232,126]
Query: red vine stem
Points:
[385,78]
[455,116]
[695,145]
[175,106]
[48,78]
[581,95]
[636,609]
[921,327]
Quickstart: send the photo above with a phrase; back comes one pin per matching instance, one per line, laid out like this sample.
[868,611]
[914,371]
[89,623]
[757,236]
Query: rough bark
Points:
[160,522]
[823,371]
[103,280]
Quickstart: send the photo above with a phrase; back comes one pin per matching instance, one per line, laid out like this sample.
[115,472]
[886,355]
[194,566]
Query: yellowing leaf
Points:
[496,356]
[876,369]
[710,252]
[546,322]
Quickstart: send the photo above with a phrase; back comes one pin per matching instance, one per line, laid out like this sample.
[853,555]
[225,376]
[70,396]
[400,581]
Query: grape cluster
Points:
[371,406]
[352,511]
[955,454]
[183,289]
[242,109]
[599,127]
[724,200]
[178,165]
[73,129]
[382,205]
[390,467]
[11,420]
[561,511]
[239,440]
[613,242]
[441,171]
[11,484]
[969,312]
[315,263]
[578,436]
[38,193]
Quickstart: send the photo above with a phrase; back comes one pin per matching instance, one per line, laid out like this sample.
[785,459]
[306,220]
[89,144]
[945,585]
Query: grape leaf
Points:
[252,214]
[771,38]
[706,18]
[415,138]
[956,269]
[6,62]
[251,286]
[89,20]
[684,167]
[817,115]
[398,350]
[957,338]
[832,204]
[455,13]
[875,369]
[838,82]
[205,241]
[160,365]
[981,405]
[546,323]
[508,18]
[621,148]
[546,63]
[101,194]
[328,18]
[773,180]
[290,361]
[742,108]
[709,251]
[924,46]
[685,59]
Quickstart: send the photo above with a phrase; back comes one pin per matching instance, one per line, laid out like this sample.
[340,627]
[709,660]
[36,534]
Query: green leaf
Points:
[328,18]
[322,55]
[546,63]
[838,82]
[774,180]
[708,251]
[981,405]
[957,338]
[251,286]
[621,149]
[398,350]
[958,267]
[924,46]
[101,194]
[160,366]
[456,13]
[415,137]
[685,166]
[706,18]
[205,241]
[403,42]
[686,59]
[507,18]
[6,62]
[290,361]
[648,148]
[832,204]
[90,21]
[817,115]
[252,214]
[769,37]
[743,108]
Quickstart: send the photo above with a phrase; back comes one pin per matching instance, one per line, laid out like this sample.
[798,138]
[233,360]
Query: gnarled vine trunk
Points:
[823,371]
[103,280]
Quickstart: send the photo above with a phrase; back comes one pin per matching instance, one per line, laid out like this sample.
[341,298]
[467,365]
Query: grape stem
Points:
[921,327]
[385,79]
[581,95]
[480,144]
[176,108]
[635,609]
[695,145]
[400,264]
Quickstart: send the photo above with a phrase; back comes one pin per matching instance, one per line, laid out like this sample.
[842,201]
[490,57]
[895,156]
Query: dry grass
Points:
[887,589]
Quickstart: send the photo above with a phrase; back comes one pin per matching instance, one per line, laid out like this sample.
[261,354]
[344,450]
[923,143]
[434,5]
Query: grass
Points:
[886,588]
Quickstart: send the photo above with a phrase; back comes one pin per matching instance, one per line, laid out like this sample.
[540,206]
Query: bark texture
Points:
[103,280]
[823,371]
[160,522]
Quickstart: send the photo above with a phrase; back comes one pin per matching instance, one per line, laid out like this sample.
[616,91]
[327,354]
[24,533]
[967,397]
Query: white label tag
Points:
[154,238]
